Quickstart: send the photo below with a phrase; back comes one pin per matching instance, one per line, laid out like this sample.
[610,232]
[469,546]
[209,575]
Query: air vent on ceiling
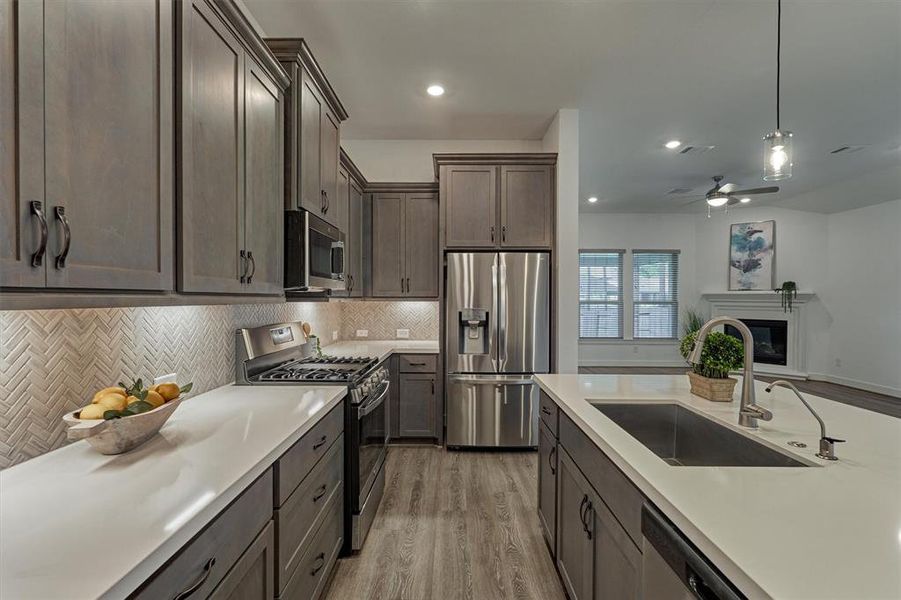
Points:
[696,149]
[847,149]
[678,191]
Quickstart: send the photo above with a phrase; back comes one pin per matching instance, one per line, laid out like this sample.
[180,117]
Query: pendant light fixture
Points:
[777,146]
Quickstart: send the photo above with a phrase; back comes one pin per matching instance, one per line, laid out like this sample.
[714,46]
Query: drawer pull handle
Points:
[319,493]
[320,558]
[188,591]
[546,410]
[320,443]
[37,210]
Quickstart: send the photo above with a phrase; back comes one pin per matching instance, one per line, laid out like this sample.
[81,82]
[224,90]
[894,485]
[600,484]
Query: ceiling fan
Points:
[726,194]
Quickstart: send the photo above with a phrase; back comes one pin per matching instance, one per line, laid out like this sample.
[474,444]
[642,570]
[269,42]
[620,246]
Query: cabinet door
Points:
[574,546]
[263,205]
[251,578]
[108,72]
[339,205]
[354,241]
[388,277]
[421,245]
[416,406]
[526,206]
[21,144]
[211,223]
[470,206]
[547,485]
[311,109]
[328,166]
[617,561]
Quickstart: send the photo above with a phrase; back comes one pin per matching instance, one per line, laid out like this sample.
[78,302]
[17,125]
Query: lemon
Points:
[109,390]
[169,391]
[113,402]
[92,411]
[154,398]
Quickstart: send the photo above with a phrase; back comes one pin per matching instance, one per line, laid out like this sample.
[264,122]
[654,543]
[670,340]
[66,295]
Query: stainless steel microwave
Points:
[314,253]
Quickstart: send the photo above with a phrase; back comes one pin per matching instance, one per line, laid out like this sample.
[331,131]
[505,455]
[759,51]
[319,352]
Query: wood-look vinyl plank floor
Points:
[880,403]
[453,525]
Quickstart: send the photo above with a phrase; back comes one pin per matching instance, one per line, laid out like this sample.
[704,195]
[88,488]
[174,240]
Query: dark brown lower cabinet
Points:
[575,560]
[617,560]
[416,405]
[251,578]
[547,485]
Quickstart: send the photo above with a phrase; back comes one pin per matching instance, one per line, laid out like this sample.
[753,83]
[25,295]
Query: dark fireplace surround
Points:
[770,340]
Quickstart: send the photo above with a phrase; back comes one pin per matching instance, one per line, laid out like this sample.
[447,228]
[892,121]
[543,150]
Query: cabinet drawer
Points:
[614,488]
[317,562]
[548,410]
[417,363]
[298,461]
[208,557]
[304,511]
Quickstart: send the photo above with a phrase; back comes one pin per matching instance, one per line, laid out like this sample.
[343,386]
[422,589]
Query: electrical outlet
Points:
[361,333]
[403,334]
[634,349]
[335,335]
[838,362]
[171,377]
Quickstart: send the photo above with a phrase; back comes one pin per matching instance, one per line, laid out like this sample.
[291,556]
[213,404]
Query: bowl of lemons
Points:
[120,418]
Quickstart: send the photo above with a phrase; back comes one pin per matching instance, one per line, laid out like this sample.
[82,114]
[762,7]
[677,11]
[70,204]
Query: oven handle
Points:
[373,404]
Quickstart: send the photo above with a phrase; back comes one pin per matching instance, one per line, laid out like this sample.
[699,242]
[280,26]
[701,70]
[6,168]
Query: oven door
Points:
[372,440]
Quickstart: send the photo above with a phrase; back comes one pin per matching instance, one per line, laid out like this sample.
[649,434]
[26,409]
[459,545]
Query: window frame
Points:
[674,303]
[621,304]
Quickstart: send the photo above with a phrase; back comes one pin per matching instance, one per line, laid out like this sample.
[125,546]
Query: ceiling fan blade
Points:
[726,188]
[763,190]
[693,201]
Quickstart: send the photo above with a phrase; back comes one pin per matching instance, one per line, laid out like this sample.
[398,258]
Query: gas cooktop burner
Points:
[324,369]
[337,360]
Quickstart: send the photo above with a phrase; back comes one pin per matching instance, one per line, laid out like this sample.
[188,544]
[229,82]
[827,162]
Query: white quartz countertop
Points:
[381,349]
[827,531]
[77,524]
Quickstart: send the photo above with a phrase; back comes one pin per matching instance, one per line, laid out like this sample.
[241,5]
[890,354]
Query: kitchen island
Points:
[828,530]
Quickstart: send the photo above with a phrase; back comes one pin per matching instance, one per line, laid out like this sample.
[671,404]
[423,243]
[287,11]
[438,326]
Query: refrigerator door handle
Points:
[502,315]
[494,340]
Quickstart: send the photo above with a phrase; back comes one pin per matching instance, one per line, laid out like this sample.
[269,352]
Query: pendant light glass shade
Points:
[777,155]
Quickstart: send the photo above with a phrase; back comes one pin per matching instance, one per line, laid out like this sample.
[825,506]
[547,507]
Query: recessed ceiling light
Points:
[745,200]
[673,144]
[593,199]
[435,90]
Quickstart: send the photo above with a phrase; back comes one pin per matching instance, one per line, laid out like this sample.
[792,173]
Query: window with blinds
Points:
[655,297]
[601,294]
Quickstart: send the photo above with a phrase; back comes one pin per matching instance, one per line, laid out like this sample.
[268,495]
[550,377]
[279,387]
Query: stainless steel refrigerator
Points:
[497,320]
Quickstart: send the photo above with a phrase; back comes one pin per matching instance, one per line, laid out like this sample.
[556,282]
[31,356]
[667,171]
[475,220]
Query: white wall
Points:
[562,137]
[640,232]
[411,160]
[863,297]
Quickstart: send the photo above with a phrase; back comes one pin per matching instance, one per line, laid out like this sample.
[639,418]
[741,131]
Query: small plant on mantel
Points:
[721,354]
[788,291]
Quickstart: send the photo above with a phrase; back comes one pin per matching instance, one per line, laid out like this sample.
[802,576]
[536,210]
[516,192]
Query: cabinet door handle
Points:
[37,259]
[320,443]
[188,591]
[324,202]
[504,233]
[320,559]
[319,493]
[60,212]
[243,256]
[585,521]
[350,281]
[433,387]
[253,266]
[408,285]
[492,233]
[550,460]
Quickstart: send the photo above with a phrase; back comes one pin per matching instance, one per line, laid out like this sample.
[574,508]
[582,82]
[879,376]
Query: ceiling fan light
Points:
[717,200]
[777,160]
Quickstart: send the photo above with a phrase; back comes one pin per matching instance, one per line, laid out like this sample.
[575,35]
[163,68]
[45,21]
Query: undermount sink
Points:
[683,438]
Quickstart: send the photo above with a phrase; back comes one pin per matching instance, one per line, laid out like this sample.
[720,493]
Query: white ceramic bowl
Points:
[120,435]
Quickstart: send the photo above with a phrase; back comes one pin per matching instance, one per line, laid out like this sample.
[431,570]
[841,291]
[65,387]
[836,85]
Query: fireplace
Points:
[770,340]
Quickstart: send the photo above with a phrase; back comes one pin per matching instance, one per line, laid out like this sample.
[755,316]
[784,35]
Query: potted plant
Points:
[710,378]
[788,291]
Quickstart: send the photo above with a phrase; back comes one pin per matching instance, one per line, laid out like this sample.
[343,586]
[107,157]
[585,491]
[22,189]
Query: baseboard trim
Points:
[855,383]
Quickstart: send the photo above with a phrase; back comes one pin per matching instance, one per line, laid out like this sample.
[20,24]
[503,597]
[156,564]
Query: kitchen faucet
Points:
[827,444]
[749,412]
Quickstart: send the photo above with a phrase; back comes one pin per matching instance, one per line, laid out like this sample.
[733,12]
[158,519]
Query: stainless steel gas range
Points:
[279,355]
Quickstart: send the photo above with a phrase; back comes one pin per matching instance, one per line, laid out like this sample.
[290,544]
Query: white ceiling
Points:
[641,72]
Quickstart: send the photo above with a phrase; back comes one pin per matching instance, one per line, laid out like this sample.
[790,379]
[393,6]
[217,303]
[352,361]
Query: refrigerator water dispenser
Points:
[473,336]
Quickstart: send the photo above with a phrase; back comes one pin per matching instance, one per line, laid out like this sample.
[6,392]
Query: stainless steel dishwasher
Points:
[673,569]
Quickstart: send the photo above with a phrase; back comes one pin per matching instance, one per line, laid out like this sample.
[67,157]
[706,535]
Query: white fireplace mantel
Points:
[768,305]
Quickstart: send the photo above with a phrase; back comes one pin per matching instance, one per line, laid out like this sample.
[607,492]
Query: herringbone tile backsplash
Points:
[51,361]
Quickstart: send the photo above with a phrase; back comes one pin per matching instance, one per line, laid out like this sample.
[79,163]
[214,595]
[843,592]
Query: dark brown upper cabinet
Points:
[405,244]
[87,180]
[230,186]
[312,132]
[351,184]
[497,200]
